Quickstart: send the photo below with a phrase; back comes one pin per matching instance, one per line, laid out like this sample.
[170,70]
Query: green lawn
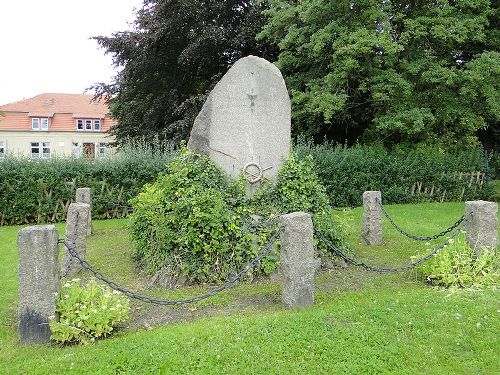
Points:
[361,322]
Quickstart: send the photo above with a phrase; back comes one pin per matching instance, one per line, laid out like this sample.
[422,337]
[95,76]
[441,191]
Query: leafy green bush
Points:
[33,190]
[298,188]
[87,313]
[196,223]
[347,172]
[457,266]
[190,220]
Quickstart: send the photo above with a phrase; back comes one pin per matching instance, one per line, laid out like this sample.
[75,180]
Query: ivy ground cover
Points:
[360,323]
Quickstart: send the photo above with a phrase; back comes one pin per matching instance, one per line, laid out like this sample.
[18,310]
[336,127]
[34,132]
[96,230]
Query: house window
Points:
[39,123]
[88,125]
[102,150]
[45,150]
[40,150]
[2,149]
[75,150]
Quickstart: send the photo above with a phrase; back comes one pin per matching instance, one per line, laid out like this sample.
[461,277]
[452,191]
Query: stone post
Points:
[38,282]
[481,230]
[298,263]
[371,232]
[84,195]
[76,233]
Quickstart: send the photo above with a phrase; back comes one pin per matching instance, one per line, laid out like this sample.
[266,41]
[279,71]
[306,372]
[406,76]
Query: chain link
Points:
[267,248]
[368,267]
[419,238]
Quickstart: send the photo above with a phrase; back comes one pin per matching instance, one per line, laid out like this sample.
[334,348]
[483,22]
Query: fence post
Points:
[371,232]
[76,234]
[481,229]
[38,282]
[84,195]
[298,263]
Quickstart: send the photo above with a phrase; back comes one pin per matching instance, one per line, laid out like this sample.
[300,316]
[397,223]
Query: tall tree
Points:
[403,71]
[177,51]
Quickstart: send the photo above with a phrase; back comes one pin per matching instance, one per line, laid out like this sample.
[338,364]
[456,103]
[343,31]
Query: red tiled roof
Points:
[59,103]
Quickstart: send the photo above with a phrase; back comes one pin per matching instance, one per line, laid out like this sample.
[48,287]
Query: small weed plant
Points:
[87,313]
[458,266]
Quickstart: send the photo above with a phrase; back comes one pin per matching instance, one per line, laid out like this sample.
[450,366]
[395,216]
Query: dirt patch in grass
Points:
[147,316]
[261,296]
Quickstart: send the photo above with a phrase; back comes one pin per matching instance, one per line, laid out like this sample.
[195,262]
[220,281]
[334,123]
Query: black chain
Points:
[128,293]
[354,262]
[420,238]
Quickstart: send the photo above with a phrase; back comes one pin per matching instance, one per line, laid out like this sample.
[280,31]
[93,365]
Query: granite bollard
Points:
[298,263]
[38,282]
[84,195]
[481,228]
[76,234]
[371,232]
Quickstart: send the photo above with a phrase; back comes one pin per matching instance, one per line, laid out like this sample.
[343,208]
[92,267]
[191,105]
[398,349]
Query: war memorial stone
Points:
[245,123]
[38,282]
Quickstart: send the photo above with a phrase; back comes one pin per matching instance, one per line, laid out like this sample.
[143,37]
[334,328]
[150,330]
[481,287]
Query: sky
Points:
[45,45]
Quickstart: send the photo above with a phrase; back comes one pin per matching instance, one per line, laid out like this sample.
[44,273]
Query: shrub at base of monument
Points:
[190,220]
[195,224]
[87,313]
[298,188]
[457,266]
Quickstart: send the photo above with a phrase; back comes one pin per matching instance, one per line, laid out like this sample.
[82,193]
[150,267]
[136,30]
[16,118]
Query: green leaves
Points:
[87,313]
[457,266]
[38,190]
[403,72]
[189,220]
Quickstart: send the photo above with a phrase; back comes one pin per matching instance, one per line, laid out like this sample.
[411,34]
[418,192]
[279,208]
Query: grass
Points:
[496,190]
[360,323]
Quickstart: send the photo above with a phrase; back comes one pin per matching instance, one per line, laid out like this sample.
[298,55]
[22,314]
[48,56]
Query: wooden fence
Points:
[475,180]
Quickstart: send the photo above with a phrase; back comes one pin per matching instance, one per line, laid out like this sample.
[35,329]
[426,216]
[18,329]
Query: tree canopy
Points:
[406,71]
[176,52]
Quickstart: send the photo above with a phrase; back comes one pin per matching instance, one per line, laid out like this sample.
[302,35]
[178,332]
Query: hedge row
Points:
[402,175]
[40,191]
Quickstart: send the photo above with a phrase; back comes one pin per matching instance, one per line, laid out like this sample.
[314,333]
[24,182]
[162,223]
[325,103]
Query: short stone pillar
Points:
[84,195]
[298,263]
[371,232]
[38,282]
[76,234]
[481,228]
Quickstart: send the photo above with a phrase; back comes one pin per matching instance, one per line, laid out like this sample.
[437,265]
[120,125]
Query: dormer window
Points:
[39,123]
[88,125]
